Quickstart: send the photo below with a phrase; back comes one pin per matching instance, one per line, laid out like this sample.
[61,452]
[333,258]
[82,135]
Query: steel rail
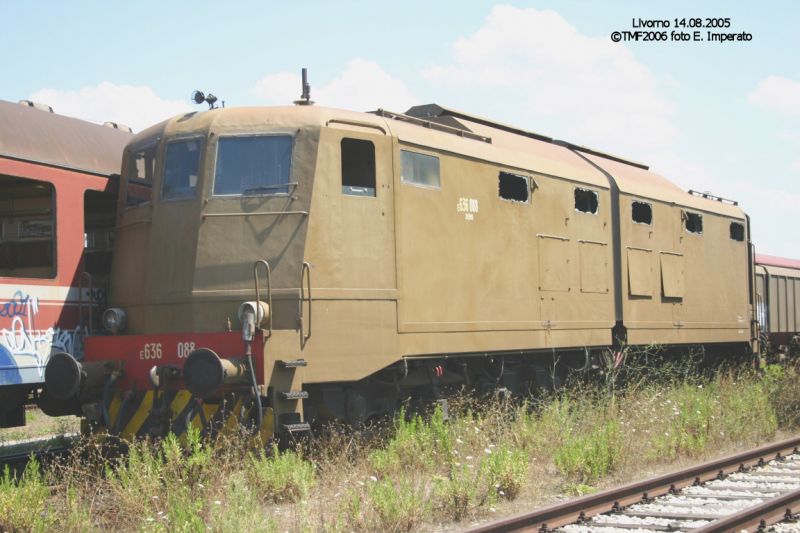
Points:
[20,452]
[757,517]
[585,507]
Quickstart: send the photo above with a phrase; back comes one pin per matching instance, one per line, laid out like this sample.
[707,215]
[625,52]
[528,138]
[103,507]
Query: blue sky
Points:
[723,117]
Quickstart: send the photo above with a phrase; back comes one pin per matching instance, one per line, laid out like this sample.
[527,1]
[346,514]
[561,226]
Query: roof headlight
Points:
[115,320]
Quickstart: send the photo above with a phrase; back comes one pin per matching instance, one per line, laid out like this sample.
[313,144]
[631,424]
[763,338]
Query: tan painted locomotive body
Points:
[519,247]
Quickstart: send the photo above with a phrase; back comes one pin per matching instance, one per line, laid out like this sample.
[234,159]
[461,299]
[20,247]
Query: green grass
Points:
[418,471]
[588,457]
[280,476]
[23,501]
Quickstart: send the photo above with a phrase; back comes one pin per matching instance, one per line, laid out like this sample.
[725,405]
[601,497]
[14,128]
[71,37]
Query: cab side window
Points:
[358,167]
[139,169]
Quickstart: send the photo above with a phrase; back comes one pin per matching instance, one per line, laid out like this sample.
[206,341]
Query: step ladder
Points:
[289,421]
[285,389]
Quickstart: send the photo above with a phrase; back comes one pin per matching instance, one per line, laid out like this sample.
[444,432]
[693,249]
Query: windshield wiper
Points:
[268,188]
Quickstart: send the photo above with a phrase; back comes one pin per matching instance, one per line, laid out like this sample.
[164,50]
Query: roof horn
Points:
[305,98]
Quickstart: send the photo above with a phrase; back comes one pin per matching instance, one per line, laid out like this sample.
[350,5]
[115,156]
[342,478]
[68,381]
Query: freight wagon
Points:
[778,302]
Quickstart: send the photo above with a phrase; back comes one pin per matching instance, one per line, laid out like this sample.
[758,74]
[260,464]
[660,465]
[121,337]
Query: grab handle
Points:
[305,288]
[269,291]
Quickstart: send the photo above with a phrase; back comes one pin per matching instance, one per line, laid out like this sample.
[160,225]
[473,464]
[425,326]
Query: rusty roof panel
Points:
[29,134]
[637,181]
[771,260]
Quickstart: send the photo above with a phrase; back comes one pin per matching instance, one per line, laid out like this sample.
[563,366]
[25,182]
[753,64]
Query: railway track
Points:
[16,454]
[746,491]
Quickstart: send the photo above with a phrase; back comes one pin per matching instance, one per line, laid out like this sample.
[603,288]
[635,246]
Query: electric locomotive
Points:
[280,265]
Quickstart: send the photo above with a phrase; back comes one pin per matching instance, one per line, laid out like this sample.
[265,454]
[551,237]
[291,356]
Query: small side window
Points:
[138,174]
[737,231]
[514,187]
[642,213]
[586,201]
[419,169]
[693,222]
[358,167]
[99,217]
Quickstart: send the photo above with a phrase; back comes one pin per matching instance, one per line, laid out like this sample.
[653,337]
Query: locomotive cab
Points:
[202,200]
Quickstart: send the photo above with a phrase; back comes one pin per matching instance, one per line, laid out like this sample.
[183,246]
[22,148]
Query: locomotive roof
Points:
[460,133]
[30,134]
[632,177]
[771,260]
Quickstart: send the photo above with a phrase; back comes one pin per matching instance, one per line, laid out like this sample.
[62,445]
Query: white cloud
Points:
[777,94]
[282,88]
[601,95]
[685,174]
[533,69]
[769,208]
[136,106]
[362,86]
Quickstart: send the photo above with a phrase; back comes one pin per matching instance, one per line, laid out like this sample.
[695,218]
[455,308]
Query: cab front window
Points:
[253,165]
[181,164]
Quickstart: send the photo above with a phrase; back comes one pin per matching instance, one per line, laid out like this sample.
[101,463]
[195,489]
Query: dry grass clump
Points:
[415,471]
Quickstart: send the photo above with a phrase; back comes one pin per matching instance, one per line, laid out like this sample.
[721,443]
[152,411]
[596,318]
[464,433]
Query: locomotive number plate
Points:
[151,350]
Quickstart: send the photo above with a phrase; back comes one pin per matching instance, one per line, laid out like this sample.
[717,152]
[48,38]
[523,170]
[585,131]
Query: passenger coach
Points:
[57,213]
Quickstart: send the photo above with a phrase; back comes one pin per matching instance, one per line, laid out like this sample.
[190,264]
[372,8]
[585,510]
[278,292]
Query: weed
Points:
[782,384]
[398,505]
[283,476]
[22,501]
[459,494]
[588,457]
[416,444]
[412,470]
[506,471]
[578,489]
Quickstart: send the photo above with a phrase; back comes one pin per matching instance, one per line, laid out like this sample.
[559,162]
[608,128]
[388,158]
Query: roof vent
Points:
[708,196]
[118,126]
[36,105]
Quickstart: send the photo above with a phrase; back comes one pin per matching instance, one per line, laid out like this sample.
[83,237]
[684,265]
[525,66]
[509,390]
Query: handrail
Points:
[433,125]
[357,123]
[256,214]
[305,274]
[546,236]
[269,293]
[85,276]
